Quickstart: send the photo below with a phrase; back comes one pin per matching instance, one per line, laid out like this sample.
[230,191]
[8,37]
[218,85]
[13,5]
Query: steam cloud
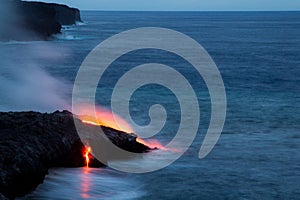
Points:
[24,84]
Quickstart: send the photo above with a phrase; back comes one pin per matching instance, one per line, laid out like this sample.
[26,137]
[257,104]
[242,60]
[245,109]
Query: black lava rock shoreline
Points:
[33,142]
[25,20]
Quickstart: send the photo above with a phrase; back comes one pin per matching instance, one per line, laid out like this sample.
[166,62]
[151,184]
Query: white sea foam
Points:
[64,36]
[78,23]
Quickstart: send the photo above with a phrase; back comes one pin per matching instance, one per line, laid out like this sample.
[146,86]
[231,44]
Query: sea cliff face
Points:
[23,20]
[32,142]
[64,14]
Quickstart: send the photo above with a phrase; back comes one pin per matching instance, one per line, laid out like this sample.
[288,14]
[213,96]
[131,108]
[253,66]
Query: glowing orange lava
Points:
[103,117]
[152,143]
[90,122]
[87,156]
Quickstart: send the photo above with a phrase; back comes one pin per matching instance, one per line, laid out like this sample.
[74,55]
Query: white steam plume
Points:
[24,84]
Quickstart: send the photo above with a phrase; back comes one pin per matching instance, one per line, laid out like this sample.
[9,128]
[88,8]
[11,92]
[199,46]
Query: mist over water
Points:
[24,83]
[89,185]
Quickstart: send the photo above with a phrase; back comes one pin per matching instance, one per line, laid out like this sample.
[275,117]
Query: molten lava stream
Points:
[104,117]
[87,156]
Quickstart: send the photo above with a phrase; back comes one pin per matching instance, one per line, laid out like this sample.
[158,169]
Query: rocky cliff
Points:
[32,142]
[23,20]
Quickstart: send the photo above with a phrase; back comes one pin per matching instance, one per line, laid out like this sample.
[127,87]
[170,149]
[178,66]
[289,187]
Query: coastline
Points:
[33,142]
[29,20]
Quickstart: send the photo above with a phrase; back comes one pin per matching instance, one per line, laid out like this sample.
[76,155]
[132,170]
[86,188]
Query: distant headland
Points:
[25,20]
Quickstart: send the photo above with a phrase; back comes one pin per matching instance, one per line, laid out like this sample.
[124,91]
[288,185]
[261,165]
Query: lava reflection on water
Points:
[86,183]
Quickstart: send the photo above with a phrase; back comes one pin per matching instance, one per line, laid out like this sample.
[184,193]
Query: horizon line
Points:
[190,10]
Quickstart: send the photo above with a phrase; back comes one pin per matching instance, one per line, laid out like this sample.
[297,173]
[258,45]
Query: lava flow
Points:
[105,117]
[152,143]
[87,156]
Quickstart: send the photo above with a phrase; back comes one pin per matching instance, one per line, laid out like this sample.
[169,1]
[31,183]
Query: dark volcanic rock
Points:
[22,20]
[32,142]
[2,197]
[65,15]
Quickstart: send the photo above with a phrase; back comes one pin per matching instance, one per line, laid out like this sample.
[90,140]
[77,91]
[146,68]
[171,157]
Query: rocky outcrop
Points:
[22,20]
[32,142]
[64,14]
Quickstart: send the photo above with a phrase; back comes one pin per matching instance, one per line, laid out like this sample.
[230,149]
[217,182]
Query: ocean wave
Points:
[65,36]
[12,42]
[80,23]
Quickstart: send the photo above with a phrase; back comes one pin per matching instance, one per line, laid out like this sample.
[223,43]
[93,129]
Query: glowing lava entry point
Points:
[87,156]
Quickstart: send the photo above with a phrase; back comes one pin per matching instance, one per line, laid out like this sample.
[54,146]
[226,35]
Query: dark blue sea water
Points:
[258,55]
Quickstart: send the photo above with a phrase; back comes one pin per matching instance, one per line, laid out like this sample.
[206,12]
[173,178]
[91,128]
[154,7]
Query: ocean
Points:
[258,56]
